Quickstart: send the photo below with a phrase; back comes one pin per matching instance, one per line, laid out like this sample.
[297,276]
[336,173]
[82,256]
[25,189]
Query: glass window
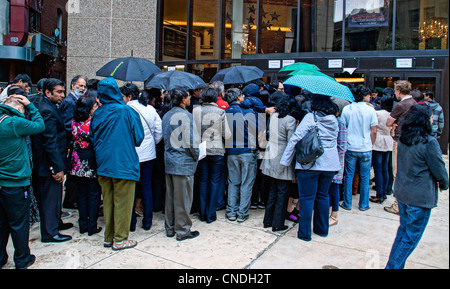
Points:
[368,25]
[205,71]
[174,30]
[421,24]
[240,28]
[278,23]
[205,35]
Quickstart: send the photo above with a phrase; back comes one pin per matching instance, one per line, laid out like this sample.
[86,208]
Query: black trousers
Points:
[277,201]
[50,198]
[89,197]
[14,221]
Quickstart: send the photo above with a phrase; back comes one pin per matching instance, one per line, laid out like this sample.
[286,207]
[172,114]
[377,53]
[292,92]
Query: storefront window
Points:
[174,30]
[205,32]
[278,26]
[421,24]
[368,25]
[240,28]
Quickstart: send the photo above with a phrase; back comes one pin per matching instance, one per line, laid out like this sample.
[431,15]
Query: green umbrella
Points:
[310,72]
[299,66]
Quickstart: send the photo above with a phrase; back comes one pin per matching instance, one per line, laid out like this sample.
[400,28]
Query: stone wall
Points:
[102,30]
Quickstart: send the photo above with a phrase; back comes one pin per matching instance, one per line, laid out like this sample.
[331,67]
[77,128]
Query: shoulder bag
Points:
[310,147]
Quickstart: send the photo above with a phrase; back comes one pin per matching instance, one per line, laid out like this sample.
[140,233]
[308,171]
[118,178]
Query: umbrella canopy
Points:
[300,66]
[310,72]
[321,85]
[129,69]
[238,74]
[169,80]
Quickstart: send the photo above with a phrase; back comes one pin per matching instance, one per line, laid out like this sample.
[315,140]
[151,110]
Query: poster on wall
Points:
[371,13]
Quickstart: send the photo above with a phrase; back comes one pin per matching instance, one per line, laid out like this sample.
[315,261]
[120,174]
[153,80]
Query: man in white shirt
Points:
[361,121]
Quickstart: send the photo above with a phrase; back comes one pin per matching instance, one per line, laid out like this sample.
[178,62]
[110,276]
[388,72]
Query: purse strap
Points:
[151,132]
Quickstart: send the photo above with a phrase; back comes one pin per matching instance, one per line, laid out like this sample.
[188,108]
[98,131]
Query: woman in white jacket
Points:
[146,152]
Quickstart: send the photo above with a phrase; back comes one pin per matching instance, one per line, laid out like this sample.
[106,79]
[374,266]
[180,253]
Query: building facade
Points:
[374,42]
[33,39]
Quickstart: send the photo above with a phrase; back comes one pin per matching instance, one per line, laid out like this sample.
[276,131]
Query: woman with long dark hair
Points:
[281,128]
[83,166]
[420,173]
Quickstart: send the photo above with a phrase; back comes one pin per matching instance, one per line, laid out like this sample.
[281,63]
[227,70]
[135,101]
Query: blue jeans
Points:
[381,169]
[144,189]
[413,221]
[313,189]
[365,161]
[334,197]
[241,178]
[210,177]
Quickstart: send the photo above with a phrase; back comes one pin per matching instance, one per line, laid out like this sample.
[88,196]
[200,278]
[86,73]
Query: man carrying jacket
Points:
[15,175]
[115,131]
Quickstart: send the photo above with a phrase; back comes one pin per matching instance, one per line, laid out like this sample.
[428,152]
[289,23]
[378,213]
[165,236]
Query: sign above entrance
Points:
[335,63]
[404,63]
[274,64]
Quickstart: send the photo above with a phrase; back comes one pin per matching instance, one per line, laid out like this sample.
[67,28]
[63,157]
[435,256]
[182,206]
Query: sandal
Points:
[334,221]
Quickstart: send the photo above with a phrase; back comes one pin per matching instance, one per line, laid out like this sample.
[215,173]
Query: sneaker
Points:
[232,218]
[107,244]
[254,206]
[393,209]
[125,244]
[242,218]
[261,206]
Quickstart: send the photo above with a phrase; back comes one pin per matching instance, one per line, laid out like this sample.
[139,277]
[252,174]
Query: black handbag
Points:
[309,148]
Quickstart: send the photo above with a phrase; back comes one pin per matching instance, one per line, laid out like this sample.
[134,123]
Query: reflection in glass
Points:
[205,35]
[174,30]
[278,23]
[368,25]
[240,28]
[422,24]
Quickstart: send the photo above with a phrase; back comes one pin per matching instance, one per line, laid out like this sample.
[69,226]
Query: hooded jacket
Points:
[15,164]
[115,131]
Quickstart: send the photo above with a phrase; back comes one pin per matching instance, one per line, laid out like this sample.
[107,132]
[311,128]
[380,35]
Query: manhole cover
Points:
[329,267]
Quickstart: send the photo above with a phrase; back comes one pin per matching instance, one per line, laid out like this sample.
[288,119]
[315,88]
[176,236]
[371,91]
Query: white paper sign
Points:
[274,64]
[288,62]
[202,149]
[405,63]
[335,63]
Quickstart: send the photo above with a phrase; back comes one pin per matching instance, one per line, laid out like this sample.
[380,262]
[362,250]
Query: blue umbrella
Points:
[129,69]
[321,85]
[175,79]
[238,74]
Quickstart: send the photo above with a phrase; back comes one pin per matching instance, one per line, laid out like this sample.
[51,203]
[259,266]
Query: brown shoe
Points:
[392,209]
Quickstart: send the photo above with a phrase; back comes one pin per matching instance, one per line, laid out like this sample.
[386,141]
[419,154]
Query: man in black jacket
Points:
[50,162]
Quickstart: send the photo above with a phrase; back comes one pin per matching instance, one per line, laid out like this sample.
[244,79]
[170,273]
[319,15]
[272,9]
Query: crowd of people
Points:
[124,153]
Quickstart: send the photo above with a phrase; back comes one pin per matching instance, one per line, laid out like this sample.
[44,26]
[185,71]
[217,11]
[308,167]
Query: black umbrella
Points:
[175,79]
[238,74]
[129,69]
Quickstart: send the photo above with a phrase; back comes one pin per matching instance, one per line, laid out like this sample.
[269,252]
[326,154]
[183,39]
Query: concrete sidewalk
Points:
[361,240]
